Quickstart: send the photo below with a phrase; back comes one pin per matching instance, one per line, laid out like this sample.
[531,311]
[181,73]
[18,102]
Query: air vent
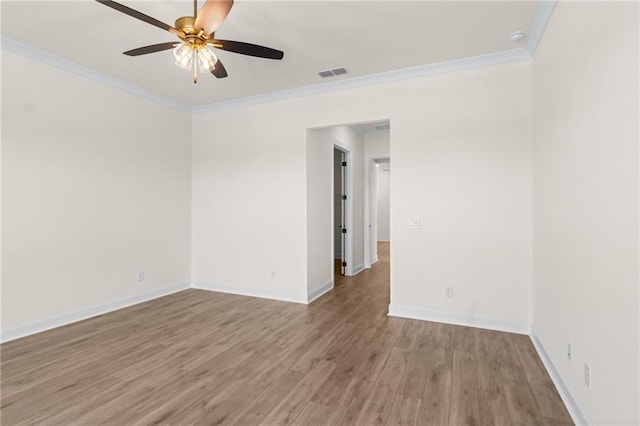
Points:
[383,127]
[333,72]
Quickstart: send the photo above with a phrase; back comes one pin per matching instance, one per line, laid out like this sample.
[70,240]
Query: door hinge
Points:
[344,263]
[344,164]
[344,197]
[344,230]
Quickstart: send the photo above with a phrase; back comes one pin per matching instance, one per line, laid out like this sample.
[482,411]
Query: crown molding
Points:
[385,77]
[21,49]
[544,10]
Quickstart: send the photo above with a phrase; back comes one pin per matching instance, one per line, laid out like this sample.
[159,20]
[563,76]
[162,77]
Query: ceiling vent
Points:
[386,126]
[333,72]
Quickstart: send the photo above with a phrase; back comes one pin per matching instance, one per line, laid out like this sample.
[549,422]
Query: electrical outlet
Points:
[587,375]
[274,274]
[448,291]
[569,351]
[414,223]
[140,276]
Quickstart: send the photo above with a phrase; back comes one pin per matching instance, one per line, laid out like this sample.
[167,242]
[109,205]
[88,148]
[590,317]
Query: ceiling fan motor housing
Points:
[189,34]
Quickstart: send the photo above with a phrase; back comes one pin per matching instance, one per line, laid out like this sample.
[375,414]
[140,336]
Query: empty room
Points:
[320,212]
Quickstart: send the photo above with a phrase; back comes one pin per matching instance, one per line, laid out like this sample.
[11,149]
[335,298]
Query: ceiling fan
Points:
[196,33]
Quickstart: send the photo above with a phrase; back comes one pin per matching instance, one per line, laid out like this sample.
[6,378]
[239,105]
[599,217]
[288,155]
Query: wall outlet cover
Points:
[414,223]
[587,375]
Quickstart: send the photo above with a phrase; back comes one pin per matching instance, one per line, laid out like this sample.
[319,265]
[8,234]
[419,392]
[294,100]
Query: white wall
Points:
[462,164]
[377,143]
[383,181]
[249,206]
[319,214]
[461,147]
[95,189]
[586,282]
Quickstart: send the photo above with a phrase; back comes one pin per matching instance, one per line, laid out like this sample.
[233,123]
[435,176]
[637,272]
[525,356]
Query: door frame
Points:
[348,185]
[370,198]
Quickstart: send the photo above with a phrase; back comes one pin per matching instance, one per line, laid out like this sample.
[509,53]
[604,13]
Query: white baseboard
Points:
[575,411]
[325,288]
[415,312]
[16,332]
[372,263]
[252,292]
[357,269]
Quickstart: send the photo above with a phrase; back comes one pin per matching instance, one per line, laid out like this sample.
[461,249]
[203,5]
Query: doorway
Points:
[338,200]
[377,205]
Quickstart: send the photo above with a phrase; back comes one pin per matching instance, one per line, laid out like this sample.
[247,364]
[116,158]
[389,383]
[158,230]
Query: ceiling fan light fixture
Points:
[183,53]
[196,33]
[206,59]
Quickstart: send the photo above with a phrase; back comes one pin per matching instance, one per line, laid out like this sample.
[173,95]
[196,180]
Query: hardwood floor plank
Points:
[377,407]
[353,399]
[434,409]
[293,403]
[521,405]
[265,403]
[314,414]
[416,375]
[464,408]
[404,411]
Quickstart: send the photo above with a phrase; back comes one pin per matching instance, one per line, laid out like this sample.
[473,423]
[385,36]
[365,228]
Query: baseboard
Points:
[575,411]
[372,263]
[16,332]
[424,314]
[357,269]
[326,287]
[252,292]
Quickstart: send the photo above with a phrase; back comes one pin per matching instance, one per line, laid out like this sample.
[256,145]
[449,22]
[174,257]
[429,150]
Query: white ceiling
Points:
[367,37]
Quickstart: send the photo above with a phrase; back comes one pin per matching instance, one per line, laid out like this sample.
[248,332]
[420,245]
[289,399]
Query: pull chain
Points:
[195,67]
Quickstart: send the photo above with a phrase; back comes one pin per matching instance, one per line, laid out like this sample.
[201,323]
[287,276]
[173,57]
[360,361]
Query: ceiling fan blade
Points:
[247,49]
[151,48]
[219,70]
[212,14]
[138,15]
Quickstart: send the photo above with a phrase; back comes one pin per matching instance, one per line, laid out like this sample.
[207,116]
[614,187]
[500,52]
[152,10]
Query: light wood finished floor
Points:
[199,357]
